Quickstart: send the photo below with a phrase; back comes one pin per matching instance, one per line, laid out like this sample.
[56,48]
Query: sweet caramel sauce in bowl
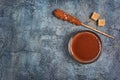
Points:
[85,46]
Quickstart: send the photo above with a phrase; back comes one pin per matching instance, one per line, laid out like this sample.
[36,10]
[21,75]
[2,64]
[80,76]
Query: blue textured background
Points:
[33,43]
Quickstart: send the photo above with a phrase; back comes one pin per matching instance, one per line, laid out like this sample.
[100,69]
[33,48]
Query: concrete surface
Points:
[33,43]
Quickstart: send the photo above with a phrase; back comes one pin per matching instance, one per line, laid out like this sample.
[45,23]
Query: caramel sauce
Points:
[85,46]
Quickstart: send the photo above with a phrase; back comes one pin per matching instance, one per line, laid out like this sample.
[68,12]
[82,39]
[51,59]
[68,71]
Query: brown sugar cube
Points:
[101,22]
[95,16]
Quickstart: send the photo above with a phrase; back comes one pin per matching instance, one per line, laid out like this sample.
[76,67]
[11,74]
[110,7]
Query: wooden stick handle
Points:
[97,30]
